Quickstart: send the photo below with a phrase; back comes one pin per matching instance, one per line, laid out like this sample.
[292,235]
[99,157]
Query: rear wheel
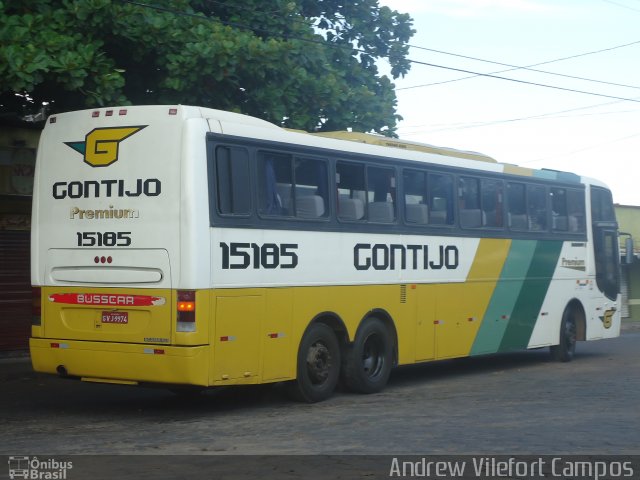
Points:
[565,350]
[318,365]
[368,362]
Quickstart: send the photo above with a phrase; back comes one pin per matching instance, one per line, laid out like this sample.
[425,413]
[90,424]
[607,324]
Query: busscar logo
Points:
[101,145]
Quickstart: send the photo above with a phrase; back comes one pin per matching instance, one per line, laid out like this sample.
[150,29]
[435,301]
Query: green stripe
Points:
[548,174]
[505,295]
[534,290]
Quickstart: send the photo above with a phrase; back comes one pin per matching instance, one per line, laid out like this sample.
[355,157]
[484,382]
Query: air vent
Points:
[403,294]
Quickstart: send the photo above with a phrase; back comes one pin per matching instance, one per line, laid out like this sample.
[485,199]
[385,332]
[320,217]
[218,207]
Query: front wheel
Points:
[565,350]
[368,362]
[318,365]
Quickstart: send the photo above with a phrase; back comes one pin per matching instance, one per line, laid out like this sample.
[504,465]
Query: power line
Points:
[542,116]
[527,67]
[621,5]
[323,43]
[512,67]
[555,87]
[580,150]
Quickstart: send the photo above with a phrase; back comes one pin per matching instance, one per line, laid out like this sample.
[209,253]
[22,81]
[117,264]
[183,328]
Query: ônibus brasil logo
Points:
[33,468]
[101,145]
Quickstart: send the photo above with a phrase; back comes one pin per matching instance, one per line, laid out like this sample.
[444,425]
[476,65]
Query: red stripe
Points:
[106,299]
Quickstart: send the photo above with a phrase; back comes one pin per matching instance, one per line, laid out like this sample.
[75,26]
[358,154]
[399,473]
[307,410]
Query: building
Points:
[17,162]
[629,221]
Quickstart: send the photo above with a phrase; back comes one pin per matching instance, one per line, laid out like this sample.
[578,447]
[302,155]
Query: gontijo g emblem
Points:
[100,146]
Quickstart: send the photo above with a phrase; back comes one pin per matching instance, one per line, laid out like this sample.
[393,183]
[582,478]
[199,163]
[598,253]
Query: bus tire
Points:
[565,350]
[318,365]
[368,361]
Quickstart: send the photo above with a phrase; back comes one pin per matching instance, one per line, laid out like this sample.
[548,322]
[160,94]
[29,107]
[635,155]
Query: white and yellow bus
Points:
[180,245]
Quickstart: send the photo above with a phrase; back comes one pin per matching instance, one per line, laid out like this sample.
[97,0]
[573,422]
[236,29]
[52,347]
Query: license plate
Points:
[115,317]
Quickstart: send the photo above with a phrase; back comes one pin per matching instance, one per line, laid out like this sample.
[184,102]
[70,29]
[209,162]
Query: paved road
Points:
[505,404]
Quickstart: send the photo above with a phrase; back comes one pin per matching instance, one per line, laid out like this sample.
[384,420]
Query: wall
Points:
[17,163]
[629,222]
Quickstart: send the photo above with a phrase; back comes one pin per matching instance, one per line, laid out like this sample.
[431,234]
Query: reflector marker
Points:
[275,335]
[229,338]
[59,345]
[153,351]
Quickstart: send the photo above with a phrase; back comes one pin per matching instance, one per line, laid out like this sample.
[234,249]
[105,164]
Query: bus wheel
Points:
[565,350]
[368,362]
[318,365]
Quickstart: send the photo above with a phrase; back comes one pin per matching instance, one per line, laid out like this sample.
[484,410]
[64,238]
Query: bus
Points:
[186,246]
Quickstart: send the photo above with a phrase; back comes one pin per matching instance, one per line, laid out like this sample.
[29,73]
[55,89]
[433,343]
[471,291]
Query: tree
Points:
[306,64]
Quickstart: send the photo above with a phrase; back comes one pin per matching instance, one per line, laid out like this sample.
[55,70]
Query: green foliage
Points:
[307,64]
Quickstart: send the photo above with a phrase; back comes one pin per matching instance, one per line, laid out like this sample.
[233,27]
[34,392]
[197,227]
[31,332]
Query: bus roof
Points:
[237,124]
[405,144]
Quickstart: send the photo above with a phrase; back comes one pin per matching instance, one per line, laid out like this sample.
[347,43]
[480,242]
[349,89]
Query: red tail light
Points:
[36,306]
[186,308]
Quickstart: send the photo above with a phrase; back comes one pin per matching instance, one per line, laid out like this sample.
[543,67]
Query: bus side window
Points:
[381,195]
[492,202]
[559,217]
[602,206]
[311,189]
[575,210]
[350,190]
[537,207]
[232,181]
[440,192]
[469,202]
[516,202]
[274,184]
[416,208]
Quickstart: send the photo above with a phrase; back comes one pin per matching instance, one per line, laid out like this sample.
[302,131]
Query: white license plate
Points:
[115,317]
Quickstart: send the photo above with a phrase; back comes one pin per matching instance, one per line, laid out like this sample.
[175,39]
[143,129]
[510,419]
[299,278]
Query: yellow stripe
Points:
[515,170]
[461,307]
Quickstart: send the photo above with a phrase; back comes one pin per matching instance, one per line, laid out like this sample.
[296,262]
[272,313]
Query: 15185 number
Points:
[252,255]
[104,239]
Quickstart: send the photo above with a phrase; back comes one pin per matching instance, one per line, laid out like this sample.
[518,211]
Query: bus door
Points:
[605,245]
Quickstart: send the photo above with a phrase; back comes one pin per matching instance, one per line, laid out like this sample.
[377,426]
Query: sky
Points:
[520,123]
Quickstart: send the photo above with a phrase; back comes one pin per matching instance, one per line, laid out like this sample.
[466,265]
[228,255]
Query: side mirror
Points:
[628,245]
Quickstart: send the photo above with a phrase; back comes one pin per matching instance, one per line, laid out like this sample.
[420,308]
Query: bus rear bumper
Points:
[121,362]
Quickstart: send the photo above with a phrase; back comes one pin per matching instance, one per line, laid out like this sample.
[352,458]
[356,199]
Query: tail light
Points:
[36,306]
[186,311]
